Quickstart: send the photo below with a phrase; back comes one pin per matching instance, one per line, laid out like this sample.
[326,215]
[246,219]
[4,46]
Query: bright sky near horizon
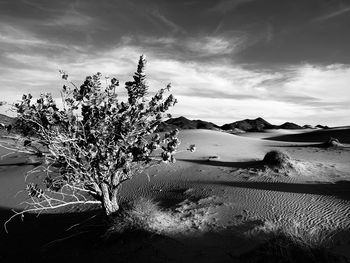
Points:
[283,60]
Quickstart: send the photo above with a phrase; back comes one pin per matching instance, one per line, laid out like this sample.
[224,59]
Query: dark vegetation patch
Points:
[278,159]
[332,143]
[293,244]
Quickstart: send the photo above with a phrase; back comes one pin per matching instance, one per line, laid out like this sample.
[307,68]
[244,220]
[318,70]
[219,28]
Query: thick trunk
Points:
[109,199]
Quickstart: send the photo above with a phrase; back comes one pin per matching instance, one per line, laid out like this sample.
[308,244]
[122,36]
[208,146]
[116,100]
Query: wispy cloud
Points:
[193,47]
[71,18]
[269,33]
[170,24]
[333,14]
[225,6]
[17,37]
[38,5]
[212,45]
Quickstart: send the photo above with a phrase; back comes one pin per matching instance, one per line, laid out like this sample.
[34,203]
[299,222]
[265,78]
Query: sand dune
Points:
[224,188]
[234,177]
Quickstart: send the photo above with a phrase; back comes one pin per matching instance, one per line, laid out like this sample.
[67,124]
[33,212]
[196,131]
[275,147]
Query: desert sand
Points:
[215,200]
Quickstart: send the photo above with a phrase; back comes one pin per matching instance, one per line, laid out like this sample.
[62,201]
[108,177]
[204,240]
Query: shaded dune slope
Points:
[342,134]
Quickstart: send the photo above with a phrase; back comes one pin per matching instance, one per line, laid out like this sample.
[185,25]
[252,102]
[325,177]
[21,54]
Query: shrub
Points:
[332,143]
[277,159]
[95,142]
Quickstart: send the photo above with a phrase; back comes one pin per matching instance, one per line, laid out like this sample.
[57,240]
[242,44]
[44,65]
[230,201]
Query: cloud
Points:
[327,83]
[211,46]
[71,18]
[15,37]
[163,41]
[170,24]
[333,14]
[192,48]
[220,91]
[226,6]
[269,33]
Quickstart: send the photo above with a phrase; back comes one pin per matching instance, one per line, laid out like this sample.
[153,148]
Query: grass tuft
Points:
[134,217]
[293,243]
[145,215]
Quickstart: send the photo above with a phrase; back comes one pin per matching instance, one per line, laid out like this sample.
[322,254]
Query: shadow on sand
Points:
[242,165]
[315,145]
[21,164]
[340,189]
[46,239]
[31,240]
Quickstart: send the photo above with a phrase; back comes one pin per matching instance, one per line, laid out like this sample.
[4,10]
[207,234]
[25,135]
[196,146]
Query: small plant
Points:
[332,143]
[213,158]
[277,159]
[281,163]
[95,143]
[139,216]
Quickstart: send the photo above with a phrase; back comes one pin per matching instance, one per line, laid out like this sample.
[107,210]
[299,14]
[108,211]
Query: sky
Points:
[227,60]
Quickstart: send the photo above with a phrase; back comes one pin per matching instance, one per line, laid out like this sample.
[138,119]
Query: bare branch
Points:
[41,209]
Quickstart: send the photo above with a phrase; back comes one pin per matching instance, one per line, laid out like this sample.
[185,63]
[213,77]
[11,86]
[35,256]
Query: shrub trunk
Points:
[109,199]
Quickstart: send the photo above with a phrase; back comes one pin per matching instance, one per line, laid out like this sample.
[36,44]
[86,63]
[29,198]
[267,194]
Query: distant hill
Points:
[183,123]
[289,126]
[308,126]
[258,124]
[247,125]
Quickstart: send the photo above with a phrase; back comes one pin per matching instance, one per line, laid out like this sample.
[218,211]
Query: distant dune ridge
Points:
[6,123]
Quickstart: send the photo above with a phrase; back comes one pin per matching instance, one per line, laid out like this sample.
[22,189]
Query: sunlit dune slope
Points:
[227,147]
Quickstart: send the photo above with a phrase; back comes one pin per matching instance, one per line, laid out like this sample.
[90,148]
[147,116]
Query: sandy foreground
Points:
[216,199]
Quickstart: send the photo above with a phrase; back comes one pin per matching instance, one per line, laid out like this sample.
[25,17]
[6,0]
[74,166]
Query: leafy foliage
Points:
[96,142]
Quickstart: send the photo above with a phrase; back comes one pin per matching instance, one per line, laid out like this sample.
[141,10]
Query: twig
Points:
[78,224]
